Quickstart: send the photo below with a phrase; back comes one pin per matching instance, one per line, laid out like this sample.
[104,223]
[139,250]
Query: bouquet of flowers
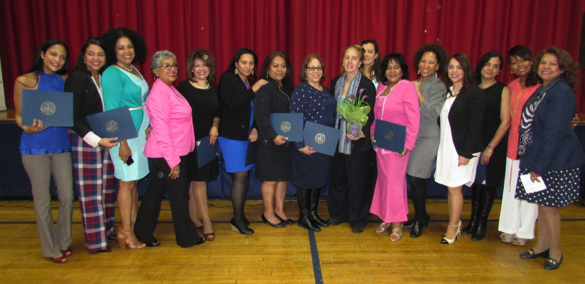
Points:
[355,110]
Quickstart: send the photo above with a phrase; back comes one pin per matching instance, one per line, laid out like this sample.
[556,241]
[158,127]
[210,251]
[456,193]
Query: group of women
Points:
[451,128]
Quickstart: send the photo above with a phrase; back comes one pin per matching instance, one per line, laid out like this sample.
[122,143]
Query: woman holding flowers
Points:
[350,191]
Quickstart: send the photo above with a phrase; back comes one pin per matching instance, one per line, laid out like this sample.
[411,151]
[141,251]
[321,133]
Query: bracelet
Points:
[488,149]
[215,127]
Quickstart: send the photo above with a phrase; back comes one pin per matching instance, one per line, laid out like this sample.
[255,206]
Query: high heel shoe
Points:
[278,225]
[410,223]
[383,227]
[417,227]
[446,241]
[395,236]
[126,238]
[244,230]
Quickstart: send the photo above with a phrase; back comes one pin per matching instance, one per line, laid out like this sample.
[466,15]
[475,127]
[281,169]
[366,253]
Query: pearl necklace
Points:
[124,67]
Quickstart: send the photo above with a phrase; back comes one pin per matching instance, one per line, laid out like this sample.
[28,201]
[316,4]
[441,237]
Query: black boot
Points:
[315,194]
[486,200]
[473,222]
[304,198]
[417,226]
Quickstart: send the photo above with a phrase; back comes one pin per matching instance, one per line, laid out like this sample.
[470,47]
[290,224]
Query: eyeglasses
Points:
[315,68]
[169,66]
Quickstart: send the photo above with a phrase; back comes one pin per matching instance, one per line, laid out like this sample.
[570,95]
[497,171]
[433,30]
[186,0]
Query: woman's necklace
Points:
[515,111]
[124,67]
[198,87]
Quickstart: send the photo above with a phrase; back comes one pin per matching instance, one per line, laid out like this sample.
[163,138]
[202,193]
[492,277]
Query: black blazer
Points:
[363,144]
[466,119]
[86,100]
[270,98]
[235,107]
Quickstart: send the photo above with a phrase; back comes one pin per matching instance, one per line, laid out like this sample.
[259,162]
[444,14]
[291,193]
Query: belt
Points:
[135,108]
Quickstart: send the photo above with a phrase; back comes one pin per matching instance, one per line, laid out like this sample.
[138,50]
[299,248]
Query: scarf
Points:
[528,111]
[340,122]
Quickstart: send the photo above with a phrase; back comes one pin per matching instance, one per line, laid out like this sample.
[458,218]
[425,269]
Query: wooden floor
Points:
[290,255]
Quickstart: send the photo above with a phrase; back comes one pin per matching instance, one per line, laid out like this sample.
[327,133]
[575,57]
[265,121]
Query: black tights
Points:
[418,192]
[240,183]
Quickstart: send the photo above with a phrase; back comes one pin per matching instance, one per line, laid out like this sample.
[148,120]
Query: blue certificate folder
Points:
[53,108]
[113,123]
[322,138]
[205,151]
[289,125]
[390,136]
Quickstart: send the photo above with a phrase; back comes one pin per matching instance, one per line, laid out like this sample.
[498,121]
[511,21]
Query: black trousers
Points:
[350,189]
[178,189]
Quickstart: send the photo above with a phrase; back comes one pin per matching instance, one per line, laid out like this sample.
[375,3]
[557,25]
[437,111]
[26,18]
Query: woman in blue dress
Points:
[310,169]
[237,91]
[123,85]
[46,151]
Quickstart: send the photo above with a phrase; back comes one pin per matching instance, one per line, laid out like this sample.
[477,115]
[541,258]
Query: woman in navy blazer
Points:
[92,166]
[550,151]
[237,90]
[460,139]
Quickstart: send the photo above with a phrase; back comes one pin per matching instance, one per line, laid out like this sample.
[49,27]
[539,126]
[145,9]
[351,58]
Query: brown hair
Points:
[206,58]
[566,65]
[302,75]
[468,78]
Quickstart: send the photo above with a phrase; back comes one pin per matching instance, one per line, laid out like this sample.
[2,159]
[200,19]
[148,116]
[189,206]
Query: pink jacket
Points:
[172,124]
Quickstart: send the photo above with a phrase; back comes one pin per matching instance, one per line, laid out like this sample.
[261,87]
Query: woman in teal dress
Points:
[123,85]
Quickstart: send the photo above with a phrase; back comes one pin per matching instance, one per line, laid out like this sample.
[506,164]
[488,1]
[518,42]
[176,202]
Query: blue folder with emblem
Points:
[322,138]
[53,108]
[289,125]
[389,136]
[205,151]
[113,123]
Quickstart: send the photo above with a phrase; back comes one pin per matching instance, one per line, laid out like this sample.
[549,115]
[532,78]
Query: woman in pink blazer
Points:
[396,102]
[170,140]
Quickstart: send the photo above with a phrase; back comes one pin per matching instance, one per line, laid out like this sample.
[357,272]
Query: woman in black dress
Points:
[310,169]
[273,153]
[496,121]
[200,91]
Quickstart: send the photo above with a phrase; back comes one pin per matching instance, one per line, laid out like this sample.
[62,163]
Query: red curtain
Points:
[297,27]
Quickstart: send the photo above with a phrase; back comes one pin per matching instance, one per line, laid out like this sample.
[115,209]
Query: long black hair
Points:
[287,81]
[244,50]
[37,65]
[79,63]
[483,61]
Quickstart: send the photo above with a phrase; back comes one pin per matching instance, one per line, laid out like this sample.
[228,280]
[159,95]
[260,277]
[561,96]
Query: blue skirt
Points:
[234,155]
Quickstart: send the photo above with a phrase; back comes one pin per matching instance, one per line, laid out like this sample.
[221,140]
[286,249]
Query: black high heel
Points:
[244,231]
[278,225]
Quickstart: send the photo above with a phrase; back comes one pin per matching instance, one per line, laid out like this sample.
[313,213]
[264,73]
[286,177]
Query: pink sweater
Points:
[172,124]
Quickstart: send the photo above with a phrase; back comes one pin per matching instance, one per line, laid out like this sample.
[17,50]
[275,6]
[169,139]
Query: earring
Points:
[511,72]
[418,73]
[266,75]
[236,71]
[252,73]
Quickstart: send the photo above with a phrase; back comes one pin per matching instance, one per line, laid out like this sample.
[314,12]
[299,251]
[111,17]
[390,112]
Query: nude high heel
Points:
[446,241]
[126,238]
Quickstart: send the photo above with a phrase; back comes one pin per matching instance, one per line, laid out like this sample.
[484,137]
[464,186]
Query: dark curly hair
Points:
[287,81]
[483,61]
[468,79]
[37,65]
[207,59]
[523,51]
[396,57]
[437,49]
[111,37]
[565,62]
[79,63]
